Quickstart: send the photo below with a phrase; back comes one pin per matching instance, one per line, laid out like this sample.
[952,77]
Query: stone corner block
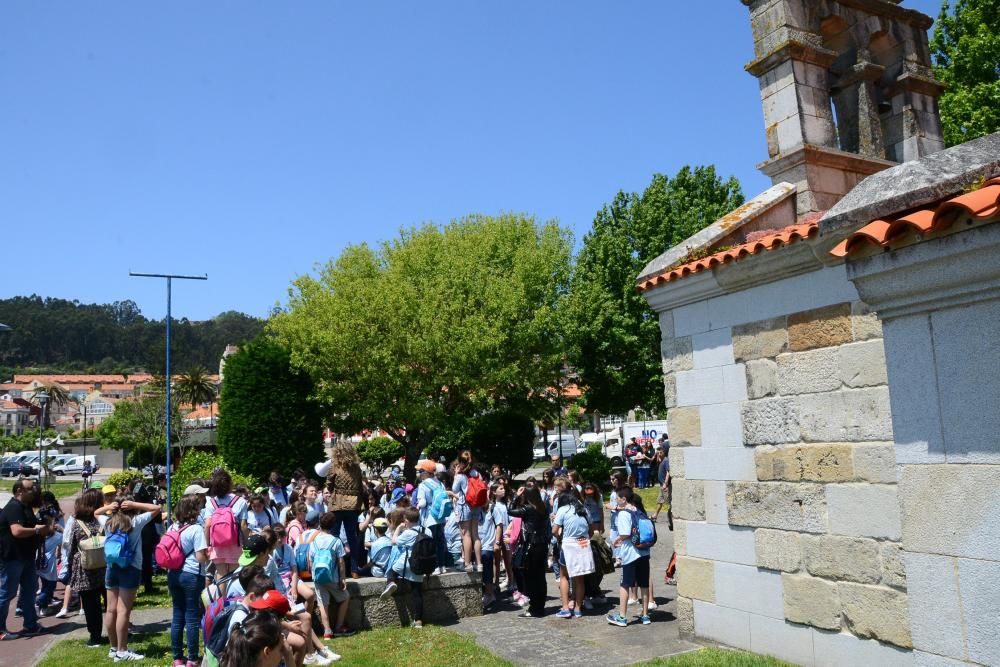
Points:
[778,549]
[684,426]
[677,354]
[863,364]
[685,617]
[811,601]
[688,499]
[764,339]
[780,505]
[876,613]
[822,327]
[843,558]
[696,579]
[805,463]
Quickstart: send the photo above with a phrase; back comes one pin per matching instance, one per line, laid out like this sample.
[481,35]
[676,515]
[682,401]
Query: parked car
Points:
[11,467]
[74,465]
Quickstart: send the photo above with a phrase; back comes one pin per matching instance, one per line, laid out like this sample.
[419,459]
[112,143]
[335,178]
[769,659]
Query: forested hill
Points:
[69,336]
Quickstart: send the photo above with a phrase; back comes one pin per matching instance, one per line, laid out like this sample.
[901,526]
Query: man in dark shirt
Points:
[20,536]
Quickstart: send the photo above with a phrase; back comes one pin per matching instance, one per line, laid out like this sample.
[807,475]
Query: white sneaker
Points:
[310,659]
[329,655]
[389,590]
[81,608]
[62,613]
[630,600]
[652,605]
[587,604]
[111,651]
[129,656]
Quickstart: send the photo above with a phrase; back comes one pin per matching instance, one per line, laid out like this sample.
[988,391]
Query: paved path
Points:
[589,640]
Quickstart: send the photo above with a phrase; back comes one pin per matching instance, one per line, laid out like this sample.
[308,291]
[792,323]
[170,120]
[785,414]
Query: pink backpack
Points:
[222,530]
[169,553]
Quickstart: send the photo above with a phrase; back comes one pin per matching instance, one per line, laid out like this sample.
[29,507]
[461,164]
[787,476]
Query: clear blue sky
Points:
[253,140]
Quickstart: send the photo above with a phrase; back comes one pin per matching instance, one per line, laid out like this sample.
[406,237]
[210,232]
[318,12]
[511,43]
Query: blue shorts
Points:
[636,573]
[126,578]
[462,512]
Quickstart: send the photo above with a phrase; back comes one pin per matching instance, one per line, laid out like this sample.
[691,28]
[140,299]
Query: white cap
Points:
[195,488]
[440,467]
[323,469]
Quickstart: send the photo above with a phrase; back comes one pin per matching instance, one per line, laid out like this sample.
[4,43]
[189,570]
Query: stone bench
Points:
[447,598]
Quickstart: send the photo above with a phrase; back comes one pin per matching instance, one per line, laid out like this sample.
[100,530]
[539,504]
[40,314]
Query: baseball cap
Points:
[109,488]
[380,522]
[439,468]
[427,466]
[96,485]
[274,601]
[194,488]
[255,546]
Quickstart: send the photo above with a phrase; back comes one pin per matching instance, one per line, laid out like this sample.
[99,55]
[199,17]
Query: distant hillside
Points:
[57,335]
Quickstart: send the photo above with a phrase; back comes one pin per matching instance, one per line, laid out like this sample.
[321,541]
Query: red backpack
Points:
[475,492]
[169,553]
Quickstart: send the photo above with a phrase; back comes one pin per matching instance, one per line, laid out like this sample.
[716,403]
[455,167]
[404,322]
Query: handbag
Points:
[91,549]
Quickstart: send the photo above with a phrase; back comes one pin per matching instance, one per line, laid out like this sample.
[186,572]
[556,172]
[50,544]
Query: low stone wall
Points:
[447,598]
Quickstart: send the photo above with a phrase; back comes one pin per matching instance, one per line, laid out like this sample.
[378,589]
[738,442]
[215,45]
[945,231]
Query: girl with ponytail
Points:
[254,642]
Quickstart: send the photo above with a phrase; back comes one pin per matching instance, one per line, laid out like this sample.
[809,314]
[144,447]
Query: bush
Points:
[123,478]
[377,453]
[592,465]
[199,465]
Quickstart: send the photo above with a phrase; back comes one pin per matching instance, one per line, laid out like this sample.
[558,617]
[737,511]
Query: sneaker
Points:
[669,581]
[343,631]
[630,600]
[97,644]
[63,613]
[577,613]
[329,655]
[524,601]
[81,608]
[587,604]
[389,590]
[9,636]
[644,619]
[112,651]
[617,619]
[652,603]
[564,613]
[128,656]
[308,660]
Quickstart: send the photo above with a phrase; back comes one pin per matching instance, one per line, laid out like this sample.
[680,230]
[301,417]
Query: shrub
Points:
[197,465]
[592,465]
[123,478]
[377,453]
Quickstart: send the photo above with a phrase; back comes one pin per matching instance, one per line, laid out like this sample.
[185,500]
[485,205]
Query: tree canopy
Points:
[267,418]
[139,427]
[614,336]
[438,325]
[966,51]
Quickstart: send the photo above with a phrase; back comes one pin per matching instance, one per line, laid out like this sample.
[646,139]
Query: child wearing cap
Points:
[404,537]
[380,549]
[336,590]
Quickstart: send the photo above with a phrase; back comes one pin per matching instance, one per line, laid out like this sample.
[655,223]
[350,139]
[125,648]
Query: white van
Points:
[74,465]
[566,447]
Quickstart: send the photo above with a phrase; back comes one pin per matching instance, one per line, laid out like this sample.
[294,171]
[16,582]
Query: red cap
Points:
[272,601]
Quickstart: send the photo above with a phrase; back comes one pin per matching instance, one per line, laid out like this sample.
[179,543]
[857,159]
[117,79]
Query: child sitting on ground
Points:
[326,562]
[404,537]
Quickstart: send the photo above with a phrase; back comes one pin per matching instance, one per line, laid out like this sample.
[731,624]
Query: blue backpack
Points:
[322,566]
[441,506]
[643,533]
[116,550]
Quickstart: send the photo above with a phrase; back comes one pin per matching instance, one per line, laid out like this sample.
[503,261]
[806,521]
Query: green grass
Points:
[649,498]
[159,599]
[64,489]
[714,657]
[388,647]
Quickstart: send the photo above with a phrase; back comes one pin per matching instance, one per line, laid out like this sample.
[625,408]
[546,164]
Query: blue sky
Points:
[250,141]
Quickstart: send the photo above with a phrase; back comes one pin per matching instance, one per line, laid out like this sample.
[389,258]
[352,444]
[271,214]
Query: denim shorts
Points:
[126,578]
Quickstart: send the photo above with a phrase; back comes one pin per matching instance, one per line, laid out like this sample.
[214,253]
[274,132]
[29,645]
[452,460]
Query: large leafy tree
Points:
[966,50]
[139,427]
[614,335]
[267,418]
[437,326]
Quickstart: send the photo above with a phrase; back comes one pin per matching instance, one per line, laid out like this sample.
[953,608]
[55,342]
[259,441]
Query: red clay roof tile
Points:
[769,241]
[981,204]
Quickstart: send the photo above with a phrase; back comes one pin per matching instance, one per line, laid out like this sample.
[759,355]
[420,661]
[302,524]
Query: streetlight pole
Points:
[84,433]
[42,398]
[169,277]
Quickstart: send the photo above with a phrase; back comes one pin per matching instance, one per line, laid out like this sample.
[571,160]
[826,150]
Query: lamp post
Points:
[42,399]
[84,432]
[169,277]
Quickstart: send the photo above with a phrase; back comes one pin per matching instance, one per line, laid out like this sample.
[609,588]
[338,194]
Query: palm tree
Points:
[58,397]
[195,387]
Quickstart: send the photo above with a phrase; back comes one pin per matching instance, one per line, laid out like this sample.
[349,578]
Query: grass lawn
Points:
[64,489]
[714,657]
[159,599]
[649,498]
[390,647]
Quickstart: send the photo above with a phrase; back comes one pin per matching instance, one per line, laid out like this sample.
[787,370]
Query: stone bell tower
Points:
[847,91]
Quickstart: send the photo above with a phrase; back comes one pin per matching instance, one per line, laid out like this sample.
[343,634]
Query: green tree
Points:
[267,419]
[437,325]
[613,335]
[194,387]
[139,427]
[966,51]
[58,397]
[377,453]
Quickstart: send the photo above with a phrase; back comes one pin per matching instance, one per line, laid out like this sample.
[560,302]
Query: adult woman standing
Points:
[468,523]
[533,545]
[345,484]
[88,584]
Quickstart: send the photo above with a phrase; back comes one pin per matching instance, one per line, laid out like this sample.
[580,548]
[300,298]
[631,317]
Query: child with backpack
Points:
[435,507]
[181,551]
[225,521]
[469,493]
[123,568]
[636,535]
[326,563]
[405,537]
[260,514]
[256,642]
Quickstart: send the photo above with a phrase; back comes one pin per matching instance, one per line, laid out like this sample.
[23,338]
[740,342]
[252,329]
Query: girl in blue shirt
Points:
[186,583]
[635,562]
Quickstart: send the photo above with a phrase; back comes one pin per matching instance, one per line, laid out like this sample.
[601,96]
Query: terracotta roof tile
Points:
[10,405]
[768,241]
[981,204]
